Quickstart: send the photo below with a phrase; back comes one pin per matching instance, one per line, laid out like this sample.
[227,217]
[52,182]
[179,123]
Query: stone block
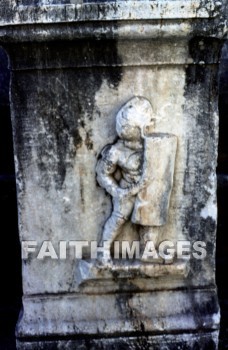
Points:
[88,80]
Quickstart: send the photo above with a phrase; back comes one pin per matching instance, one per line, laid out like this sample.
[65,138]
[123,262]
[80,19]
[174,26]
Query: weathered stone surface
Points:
[152,203]
[73,67]
[77,131]
[32,11]
[88,271]
[190,341]
[156,312]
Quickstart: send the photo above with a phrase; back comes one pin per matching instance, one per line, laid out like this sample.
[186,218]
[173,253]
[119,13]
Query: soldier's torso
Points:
[130,163]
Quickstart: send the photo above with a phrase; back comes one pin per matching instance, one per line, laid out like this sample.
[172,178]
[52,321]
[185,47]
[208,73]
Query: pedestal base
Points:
[177,319]
[186,341]
[91,271]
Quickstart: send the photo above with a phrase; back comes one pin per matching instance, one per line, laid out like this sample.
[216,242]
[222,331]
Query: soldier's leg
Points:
[122,209]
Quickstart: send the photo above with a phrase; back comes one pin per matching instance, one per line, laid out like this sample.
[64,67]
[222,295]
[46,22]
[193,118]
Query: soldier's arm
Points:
[105,169]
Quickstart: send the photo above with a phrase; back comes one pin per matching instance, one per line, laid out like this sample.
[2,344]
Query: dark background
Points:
[10,270]
[10,264]
[222,172]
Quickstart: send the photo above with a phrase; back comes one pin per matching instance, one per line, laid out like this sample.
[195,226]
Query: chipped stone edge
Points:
[132,10]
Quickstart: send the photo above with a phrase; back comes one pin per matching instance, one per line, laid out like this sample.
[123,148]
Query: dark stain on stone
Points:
[22,136]
[135,318]
[206,309]
[55,102]
[205,49]
[122,303]
[201,84]
[77,140]
[88,140]
[126,343]
[82,174]
[82,194]
[202,88]
[209,307]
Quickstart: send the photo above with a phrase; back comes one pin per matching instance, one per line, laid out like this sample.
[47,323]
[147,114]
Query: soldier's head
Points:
[133,118]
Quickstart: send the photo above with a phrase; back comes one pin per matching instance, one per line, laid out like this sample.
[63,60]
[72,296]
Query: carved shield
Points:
[152,202]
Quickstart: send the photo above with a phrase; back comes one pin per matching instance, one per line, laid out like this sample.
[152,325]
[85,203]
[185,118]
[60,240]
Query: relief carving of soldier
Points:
[130,171]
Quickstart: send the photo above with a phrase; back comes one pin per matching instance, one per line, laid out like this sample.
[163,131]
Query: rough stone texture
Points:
[152,203]
[68,82]
[181,342]
[127,313]
[87,271]
[137,171]
[46,11]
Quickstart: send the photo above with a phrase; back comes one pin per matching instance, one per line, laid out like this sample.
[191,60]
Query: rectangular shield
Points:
[152,202]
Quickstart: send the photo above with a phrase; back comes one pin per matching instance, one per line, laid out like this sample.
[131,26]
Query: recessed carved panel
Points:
[137,171]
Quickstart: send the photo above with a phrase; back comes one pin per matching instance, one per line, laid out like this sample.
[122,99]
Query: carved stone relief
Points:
[137,171]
